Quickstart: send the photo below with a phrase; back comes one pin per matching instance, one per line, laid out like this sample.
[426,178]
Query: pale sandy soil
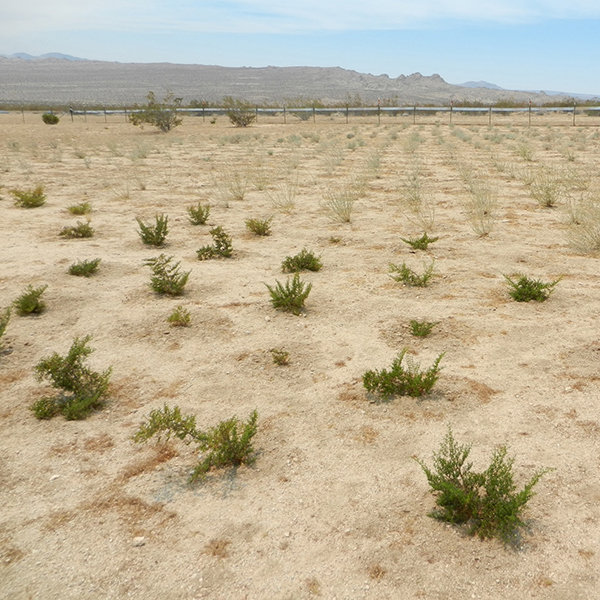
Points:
[334,506]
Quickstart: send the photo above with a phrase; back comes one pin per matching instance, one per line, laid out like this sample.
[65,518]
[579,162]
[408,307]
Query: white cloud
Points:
[274,16]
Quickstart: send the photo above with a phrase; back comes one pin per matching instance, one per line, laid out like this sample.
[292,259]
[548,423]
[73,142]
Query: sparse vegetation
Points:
[154,235]
[83,390]
[84,268]
[404,274]
[261,227]
[421,243]
[402,380]
[166,277]
[487,502]
[32,198]
[290,297]
[198,215]
[227,444]
[526,289]
[240,113]
[305,260]
[81,208]
[422,328]
[180,317]
[222,245]
[30,301]
[280,357]
[162,115]
[81,230]
[50,118]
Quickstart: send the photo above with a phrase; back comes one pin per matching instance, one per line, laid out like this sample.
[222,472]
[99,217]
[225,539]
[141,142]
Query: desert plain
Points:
[334,505]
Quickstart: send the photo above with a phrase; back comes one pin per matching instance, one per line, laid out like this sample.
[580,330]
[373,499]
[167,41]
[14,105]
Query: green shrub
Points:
[222,246]
[526,289]
[303,261]
[259,226]
[422,328]
[81,230]
[166,278]
[162,115]
[421,243]
[198,215]
[291,296]
[180,317]
[488,502]
[84,268]
[83,390]
[402,381]
[4,319]
[82,208]
[50,118]
[154,235]
[404,274]
[227,444]
[280,357]
[30,301]
[239,113]
[29,198]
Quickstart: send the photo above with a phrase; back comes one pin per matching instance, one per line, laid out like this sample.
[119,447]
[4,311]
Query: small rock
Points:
[54,477]
[138,542]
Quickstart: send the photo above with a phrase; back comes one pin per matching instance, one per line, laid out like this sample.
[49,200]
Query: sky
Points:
[551,45]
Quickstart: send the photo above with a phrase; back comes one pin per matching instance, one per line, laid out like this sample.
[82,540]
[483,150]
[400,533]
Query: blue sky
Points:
[517,44]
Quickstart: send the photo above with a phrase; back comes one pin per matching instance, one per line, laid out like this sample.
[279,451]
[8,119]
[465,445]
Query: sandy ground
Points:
[334,505]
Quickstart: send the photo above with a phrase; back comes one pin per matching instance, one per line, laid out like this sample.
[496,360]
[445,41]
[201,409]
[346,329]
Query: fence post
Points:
[85,115]
[490,117]
[203,115]
[347,111]
[530,113]
[256,110]
[574,107]
[451,109]
[126,117]
[378,115]
[415,115]
[105,120]
[314,114]
[23,114]
[284,116]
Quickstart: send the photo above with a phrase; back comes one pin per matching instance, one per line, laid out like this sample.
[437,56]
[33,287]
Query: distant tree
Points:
[240,113]
[159,114]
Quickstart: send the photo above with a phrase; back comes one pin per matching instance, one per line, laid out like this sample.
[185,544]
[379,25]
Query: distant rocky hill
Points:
[80,82]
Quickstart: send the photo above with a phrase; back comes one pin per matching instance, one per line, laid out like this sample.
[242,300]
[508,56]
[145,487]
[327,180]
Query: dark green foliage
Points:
[4,319]
[162,115]
[30,302]
[154,235]
[29,198]
[487,502]
[402,380]
[83,389]
[303,261]
[526,289]
[180,317]
[222,246]
[291,296]
[421,243]
[50,118]
[81,208]
[404,274]
[240,113]
[84,268]
[259,226]
[198,215]
[280,357]
[421,328]
[227,444]
[81,230]
[166,278]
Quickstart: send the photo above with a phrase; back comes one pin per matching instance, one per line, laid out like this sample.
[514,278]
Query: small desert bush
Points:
[198,215]
[84,268]
[283,197]
[280,357]
[83,390]
[227,444]
[81,208]
[404,274]
[4,319]
[583,224]
[487,502]
[29,198]
[305,260]
[180,317]
[259,226]
[154,235]
[30,301]
[166,277]
[547,188]
[290,296]
[222,245]
[481,206]
[525,289]
[422,328]
[339,205]
[50,118]
[79,231]
[401,380]
[239,112]
[421,243]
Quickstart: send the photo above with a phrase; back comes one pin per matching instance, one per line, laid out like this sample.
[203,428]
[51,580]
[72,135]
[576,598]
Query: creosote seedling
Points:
[421,243]
[526,289]
[30,301]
